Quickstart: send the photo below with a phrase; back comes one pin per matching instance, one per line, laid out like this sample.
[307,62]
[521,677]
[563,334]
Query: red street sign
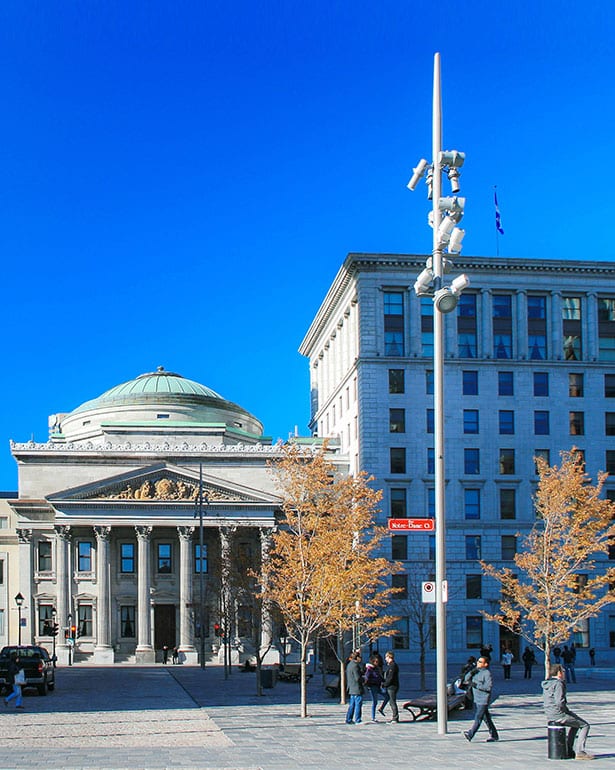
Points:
[412,525]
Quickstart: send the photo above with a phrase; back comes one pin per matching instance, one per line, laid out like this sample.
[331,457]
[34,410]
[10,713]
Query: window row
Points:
[506,465]
[398,505]
[127,557]
[508,547]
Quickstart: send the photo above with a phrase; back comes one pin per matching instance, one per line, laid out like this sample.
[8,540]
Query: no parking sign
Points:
[429,591]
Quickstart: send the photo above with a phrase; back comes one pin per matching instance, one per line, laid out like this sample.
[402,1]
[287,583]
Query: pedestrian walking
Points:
[390,685]
[558,713]
[469,665]
[507,659]
[592,656]
[373,681]
[529,659]
[568,656]
[175,656]
[481,682]
[15,677]
[557,654]
[165,653]
[354,685]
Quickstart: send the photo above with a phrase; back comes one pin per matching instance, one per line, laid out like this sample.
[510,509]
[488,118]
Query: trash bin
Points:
[556,735]
[267,678]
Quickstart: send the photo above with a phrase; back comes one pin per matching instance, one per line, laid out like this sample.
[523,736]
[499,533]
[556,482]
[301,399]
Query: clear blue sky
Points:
[180,181]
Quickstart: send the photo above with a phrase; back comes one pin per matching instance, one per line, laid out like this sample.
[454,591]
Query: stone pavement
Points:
[181,717]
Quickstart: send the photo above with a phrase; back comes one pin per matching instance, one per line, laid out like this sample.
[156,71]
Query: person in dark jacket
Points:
[481,682]
[390,685]
[529,659]
[373,680]
[354,685]
[557,711]
[11,673]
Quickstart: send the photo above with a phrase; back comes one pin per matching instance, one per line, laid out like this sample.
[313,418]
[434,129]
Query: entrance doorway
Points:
[164,626]
[509,641]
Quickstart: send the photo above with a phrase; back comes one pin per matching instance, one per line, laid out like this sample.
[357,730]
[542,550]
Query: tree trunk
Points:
[304,644]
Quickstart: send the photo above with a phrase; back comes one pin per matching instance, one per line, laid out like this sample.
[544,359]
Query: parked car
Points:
[36,663]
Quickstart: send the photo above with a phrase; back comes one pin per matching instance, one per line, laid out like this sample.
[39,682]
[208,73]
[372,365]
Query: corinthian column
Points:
[63,604]
[144,652]
[266,619]
[103,652]
[186,627]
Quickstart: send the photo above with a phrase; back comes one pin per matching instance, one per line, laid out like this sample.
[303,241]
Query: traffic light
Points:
[67,633]
[73,632]
[217,629]
[54,629]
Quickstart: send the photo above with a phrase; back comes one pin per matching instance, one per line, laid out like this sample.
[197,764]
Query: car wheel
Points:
[42,688]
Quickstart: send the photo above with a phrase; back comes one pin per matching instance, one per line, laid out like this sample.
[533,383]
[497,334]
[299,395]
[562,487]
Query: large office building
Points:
[529,370]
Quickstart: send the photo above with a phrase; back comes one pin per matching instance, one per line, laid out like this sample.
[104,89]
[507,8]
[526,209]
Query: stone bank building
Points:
[108,514]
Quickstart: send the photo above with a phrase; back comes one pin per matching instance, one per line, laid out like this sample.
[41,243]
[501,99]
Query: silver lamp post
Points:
[446,213]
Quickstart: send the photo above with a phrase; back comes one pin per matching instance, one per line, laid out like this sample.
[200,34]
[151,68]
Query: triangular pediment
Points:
[162,483]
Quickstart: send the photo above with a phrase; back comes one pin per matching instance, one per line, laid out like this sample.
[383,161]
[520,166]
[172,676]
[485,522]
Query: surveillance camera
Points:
[453,175]
[460,283]
[454,244]
[452,158]
[423,284]
[418,174]
[453,205]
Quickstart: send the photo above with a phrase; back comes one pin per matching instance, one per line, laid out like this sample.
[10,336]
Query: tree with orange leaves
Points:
[560,579]
[322,572]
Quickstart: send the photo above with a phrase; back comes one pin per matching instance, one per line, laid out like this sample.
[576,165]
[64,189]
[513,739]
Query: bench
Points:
[426,707]
[291,672]
[333,686]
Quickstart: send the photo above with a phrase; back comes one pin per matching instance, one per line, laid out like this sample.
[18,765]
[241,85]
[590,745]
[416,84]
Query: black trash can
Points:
[267,678]
[556,737]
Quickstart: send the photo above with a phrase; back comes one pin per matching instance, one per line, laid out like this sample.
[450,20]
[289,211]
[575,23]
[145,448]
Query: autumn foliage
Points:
[561,576]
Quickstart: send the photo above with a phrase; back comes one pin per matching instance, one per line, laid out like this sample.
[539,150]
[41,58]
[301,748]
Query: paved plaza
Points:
[181,717]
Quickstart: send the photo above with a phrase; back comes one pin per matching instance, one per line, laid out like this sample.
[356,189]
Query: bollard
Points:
[558,748]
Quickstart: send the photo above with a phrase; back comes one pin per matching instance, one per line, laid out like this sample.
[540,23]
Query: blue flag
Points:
[498,218]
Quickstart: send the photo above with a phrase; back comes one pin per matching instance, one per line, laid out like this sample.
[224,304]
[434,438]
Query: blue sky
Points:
[180,182]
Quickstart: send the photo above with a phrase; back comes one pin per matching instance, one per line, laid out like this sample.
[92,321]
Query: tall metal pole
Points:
[438,354]
[201,577]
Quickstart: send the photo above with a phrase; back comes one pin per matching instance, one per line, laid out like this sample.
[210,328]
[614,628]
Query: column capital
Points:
[24,535]
[102,533]
[185,533]
[63,532]
[143,533]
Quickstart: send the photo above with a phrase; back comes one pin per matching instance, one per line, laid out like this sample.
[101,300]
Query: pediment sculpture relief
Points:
[169,489]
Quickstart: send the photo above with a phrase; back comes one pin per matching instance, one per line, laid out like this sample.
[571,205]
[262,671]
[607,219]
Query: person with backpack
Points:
[354,685]
[373,681]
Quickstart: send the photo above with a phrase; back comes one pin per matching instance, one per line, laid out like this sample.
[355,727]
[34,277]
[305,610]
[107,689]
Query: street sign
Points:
[429,591]
[412,525]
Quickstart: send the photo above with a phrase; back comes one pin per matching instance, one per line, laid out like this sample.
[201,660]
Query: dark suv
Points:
[36,663]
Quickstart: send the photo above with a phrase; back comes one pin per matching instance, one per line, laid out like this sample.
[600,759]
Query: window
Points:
[400,582]
[398,459]
[397,420]
[537,347]
[84,620]
[399,547]
[473,547]
[606,309]
[164,563]
[611,630]
[45,619]
[474,632]
[609,423]
[502,346]
[198,563]
[393,323]
[571,328]
[466,326]
[508,504]
[427,327]
[471,503]
[401,637]
[474,586]
[431,460]
[4,522]
[1,572]
[471,461]
[470,383]
[127,621]
[541,423]
[502,326]
[506,384]
[507,462]
[84,556]
[507,421]
[577,423]
[536,307]
[399,507]
[431,502]
[429,382]
[609,385]
[127,558]
[429,423]
[575,385]
[610,461]
[470,420]
[544,454]
[509,547]
[44,556]
[397,383]
[541,383]
[431,544]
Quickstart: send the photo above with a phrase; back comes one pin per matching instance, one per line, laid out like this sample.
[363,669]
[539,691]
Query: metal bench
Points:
[333,686]
[292,673]
[427,707]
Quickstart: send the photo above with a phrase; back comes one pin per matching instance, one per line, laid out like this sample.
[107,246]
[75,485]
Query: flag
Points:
[498,218]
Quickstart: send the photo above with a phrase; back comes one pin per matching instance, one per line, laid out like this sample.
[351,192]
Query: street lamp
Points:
[19,600]
[444,217]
